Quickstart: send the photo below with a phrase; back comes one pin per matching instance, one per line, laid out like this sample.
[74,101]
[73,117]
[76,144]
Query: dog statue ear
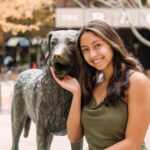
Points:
[46,45]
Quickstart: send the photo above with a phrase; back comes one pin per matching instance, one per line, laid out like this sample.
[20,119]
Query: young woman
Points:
[113,90]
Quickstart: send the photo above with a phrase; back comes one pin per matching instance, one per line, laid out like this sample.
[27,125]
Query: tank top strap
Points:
[131,73]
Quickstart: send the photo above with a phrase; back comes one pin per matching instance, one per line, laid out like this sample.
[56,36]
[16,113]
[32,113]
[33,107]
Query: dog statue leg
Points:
[77,146]
[49,139]
[17,120]
[44,140]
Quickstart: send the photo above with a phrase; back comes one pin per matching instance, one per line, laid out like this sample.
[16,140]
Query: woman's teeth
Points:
[97,61]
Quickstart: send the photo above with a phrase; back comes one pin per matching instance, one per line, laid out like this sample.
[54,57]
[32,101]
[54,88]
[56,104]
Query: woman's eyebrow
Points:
[95,41]
[83,46]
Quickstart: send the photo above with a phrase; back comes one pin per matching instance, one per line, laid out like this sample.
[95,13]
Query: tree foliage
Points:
[25,15]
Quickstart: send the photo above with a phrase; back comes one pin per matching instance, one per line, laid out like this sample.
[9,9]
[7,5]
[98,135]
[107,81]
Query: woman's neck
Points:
[108,73]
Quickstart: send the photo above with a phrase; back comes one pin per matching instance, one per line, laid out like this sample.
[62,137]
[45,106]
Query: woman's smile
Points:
[98,61]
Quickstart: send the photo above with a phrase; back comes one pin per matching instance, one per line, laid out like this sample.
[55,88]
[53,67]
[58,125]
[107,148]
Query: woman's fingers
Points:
[53,72]
[61,82]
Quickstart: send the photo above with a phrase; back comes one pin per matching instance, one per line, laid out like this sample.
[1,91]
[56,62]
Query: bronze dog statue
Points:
[38,97]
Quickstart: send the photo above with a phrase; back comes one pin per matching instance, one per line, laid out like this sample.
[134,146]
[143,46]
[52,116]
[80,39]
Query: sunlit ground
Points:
[59,142]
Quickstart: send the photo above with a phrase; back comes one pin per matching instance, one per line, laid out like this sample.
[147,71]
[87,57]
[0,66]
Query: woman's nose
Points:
[93,53]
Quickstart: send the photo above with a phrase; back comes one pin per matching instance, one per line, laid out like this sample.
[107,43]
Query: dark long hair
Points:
[122,62]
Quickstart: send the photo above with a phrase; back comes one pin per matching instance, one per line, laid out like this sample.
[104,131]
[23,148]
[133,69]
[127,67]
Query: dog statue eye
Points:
[70,43]
[53,43]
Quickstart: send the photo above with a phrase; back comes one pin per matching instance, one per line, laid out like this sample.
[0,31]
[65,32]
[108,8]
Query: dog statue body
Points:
[38,97]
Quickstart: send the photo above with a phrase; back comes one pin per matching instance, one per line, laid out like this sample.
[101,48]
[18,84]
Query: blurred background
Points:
[25,23]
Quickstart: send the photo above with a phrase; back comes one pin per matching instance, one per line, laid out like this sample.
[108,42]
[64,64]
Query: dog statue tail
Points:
[27,125]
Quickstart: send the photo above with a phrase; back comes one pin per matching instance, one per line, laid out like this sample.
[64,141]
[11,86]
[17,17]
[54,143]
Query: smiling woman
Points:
[115,110]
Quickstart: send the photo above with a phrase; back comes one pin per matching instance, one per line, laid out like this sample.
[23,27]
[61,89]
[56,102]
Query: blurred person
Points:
[1,63]
[113,112]
[8,62]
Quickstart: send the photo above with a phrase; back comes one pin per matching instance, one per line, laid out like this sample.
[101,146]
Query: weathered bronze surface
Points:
[38,97]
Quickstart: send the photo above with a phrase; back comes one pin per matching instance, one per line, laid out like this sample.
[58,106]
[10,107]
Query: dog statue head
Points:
[59,50]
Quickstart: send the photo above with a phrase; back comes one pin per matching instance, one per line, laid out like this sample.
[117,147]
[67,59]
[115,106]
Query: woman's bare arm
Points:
[74,128]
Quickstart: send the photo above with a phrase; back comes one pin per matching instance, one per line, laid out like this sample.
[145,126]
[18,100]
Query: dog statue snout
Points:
[59,52]
[57,56]
[60,56]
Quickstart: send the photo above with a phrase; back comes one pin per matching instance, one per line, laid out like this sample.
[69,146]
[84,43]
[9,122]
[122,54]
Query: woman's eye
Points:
[84,50]
[97,45]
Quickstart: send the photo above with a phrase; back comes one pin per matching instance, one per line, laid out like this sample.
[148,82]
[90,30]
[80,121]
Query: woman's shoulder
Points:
[139,85]
[138,77]
[138,80]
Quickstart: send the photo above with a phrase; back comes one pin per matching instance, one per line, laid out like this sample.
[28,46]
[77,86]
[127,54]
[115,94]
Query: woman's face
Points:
[97,53]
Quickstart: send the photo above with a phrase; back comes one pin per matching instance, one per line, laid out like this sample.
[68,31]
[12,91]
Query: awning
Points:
[17,41]
[35,41]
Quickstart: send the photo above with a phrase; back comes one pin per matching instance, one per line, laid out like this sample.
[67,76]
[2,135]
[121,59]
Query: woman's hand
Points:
[68,83]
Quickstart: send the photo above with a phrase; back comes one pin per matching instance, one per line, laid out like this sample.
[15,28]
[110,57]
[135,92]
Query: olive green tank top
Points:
[104,126]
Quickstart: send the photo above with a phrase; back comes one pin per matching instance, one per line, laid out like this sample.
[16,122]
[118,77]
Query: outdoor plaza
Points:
[29,143]
[24,25]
